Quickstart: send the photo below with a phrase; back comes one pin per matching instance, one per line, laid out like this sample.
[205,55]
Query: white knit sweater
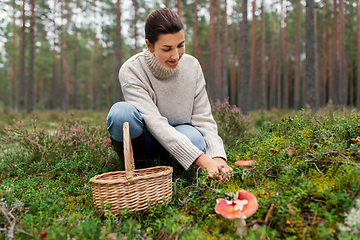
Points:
[169,97]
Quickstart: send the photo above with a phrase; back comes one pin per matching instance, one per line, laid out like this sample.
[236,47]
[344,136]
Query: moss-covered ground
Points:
[306,178]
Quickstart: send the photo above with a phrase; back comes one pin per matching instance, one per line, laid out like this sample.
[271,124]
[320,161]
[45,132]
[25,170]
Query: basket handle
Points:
[128,154]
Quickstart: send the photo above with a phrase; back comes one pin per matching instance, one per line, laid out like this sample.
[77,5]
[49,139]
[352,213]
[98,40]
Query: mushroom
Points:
[247,164]
[243,205]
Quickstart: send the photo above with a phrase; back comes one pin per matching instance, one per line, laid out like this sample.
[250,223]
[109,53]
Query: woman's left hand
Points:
[224,168]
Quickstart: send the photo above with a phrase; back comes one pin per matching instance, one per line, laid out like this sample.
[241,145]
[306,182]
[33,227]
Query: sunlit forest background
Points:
[289,54]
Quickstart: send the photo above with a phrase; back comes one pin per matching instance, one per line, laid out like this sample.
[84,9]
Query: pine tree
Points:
[297,56]
[312,99]
[195,37]
[30,84]
[262,84]
[54,89]
[22,62]
[225,55]
[243,99]
[253,60]
[343,83]
[118,52]
[358,53]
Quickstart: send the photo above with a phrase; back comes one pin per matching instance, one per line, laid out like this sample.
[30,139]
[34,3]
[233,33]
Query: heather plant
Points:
[232,124]
[70,139]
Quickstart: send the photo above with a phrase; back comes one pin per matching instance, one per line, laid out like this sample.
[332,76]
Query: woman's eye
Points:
[182,45]
[166,50]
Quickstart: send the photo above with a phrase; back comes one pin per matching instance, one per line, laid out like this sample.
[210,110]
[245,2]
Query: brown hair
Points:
[162,21]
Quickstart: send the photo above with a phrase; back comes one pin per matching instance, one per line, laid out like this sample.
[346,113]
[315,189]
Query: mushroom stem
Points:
[240,226]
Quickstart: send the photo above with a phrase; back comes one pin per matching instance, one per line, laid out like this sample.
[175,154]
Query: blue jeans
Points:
[122,112]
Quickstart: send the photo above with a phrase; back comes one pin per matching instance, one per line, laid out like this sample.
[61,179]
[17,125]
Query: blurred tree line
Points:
[66,54]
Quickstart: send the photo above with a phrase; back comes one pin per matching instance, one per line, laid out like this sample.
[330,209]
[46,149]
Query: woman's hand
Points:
[213,166]
[224,168]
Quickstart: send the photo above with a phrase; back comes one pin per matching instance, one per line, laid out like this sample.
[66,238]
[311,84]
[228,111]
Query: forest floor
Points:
[306,178]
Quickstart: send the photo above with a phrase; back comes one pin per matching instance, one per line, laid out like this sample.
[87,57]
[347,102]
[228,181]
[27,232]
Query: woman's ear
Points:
[149,46]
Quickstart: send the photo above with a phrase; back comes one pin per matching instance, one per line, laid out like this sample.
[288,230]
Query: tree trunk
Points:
[94,82]
[117,89]
[238,71]
[86,83]
[351,83]
[62,82]
[66,59]
[333,85]
[253,83]
[211,53]
[13,74]
[102,82]
[225,49]
[316,55]
[42,89]
[297,56]
[22,82]
[244,66]
[136,7]
[330,65]
[324,77]
[279,83]
[286,61]
[233,66]
[30,84]
[303,87]
[358,54]
[75,82]
[312,99]
[272,67]
[262,92]
[195,41]
[343,83]
[54,77]
[217,53]
[179,7]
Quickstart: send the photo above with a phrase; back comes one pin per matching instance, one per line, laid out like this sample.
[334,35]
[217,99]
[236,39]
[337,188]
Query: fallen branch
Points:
[350,163]
[315,156]
[317,167]
[10,232]
[267,218]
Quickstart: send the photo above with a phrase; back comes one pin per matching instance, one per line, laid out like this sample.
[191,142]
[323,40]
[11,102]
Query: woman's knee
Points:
[122,112]
[194,135]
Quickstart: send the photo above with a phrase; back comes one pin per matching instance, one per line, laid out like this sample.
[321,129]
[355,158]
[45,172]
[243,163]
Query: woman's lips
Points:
[172,62]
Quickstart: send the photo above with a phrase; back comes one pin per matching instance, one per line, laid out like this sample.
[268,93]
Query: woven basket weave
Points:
[131,189]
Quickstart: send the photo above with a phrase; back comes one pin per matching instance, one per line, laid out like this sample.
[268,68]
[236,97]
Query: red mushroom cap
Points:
[227,210]
[252,206]
[245,163]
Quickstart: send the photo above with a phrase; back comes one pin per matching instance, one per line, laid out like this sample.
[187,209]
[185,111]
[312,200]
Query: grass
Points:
[307,178]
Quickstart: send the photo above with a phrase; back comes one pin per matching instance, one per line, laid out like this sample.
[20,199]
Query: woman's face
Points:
[169,48]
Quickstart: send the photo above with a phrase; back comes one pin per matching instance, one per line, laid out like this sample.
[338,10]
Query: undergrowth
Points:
[306,179]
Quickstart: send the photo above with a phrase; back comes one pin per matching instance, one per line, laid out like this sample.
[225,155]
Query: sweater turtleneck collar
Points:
[159,71]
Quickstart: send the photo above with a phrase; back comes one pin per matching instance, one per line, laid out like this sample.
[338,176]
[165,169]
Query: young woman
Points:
[166,103]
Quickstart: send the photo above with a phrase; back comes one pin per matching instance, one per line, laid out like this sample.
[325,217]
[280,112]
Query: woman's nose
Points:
[175,54]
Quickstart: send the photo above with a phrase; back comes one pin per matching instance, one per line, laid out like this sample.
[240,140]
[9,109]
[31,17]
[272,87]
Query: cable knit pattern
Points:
[169,97]
[159,71]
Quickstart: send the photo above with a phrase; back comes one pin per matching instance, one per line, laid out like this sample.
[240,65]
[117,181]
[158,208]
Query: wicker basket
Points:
[131,189]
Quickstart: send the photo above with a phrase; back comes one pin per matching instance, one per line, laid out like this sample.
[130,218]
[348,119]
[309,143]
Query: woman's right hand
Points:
[210,165]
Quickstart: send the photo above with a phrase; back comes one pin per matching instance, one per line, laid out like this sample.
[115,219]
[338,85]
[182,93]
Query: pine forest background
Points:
[66,54]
